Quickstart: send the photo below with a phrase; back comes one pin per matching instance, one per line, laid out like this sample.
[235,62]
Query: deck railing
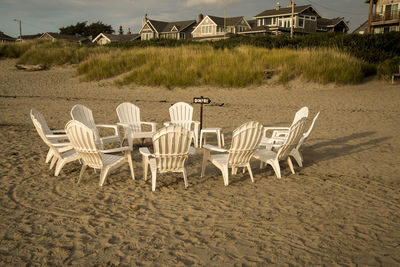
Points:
[391,15]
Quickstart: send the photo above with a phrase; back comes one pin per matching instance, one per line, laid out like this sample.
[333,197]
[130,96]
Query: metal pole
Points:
[20,30]
[201,116]
[291,20]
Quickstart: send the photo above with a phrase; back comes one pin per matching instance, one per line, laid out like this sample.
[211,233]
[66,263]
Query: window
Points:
[267,21]
[147,36]
[301,23]
[379,9]
[206,29]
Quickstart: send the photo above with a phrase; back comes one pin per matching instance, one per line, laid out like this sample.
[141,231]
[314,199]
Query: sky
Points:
[38,16]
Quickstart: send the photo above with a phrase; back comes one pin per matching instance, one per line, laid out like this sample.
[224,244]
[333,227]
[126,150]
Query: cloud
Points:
[191,3]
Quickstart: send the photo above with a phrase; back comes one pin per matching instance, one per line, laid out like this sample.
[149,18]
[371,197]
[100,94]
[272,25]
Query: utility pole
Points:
[20,30]
[291,20]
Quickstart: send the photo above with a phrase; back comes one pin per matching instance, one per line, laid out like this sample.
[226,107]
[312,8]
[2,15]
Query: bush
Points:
[388,67]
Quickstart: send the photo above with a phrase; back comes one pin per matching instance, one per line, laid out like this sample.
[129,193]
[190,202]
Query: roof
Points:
[252,23]
[362,28]
[326,23]
[32,36]
[284,11]
[67,37]
[121,37]
[4,36]
[220,21]
[163,26]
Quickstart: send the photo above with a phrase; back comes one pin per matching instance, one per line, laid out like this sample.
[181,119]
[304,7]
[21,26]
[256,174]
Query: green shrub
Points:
[388,67]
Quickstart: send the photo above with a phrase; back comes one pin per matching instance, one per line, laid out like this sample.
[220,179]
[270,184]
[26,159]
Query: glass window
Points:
[267,21]
[301,23]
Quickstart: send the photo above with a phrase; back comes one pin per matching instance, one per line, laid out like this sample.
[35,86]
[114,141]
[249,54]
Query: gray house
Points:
[154,29]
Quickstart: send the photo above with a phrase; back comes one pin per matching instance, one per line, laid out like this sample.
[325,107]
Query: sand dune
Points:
[341,208]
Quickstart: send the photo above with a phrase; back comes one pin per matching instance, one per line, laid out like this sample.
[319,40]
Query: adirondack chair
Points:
[181,114]
[85,115]
[279,134]
[171,146]
[61,153]
[129,117]
[245,140]
[84,141]
[55,136]
[272,158]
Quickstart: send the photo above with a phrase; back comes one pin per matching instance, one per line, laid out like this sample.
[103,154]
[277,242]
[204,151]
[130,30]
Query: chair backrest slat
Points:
[171,147]
[181,114]
[296,131]
[130,113]
[307,134]
[83,140]
[245,140]
[85,116]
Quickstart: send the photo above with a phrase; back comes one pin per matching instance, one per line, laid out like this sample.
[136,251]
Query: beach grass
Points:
[194,65]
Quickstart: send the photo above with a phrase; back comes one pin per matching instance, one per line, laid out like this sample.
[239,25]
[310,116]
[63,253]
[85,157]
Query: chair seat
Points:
[110,160]
[220,159]
[264,154]
[69,153]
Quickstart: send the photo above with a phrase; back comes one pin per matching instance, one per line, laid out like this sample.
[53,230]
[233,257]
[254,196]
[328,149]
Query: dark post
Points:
[201,115]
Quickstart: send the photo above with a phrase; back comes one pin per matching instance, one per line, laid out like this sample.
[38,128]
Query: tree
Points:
[83,29]
[120,31]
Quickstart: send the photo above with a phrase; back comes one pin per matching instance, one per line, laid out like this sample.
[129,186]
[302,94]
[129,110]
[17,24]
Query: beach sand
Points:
[342,208]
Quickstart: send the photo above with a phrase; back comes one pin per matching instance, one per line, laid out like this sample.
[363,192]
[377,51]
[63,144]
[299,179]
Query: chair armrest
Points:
[108,126]
[114,150]
[167,123]
[123,124]
[61,131]
[56,136]
[276,128]
[61,144]
[214,148]
[153,125]
[145,152]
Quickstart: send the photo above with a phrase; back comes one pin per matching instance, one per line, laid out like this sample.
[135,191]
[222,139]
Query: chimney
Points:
[278,6]
[290,4]
[200,17]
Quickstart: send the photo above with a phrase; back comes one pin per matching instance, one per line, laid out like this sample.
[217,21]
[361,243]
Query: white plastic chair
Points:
[272,158]
[171,146]
[60,153]
[55,136]
[245,140]
[279,134]
[129,117]
[85,143]
[85,116]
[181,114]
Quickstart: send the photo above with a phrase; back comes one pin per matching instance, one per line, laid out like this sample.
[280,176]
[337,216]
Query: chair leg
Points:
[290,164]
[201,143]
[275,165]
[129,155]
[49,155]
[234,170]
[53,161]
[225,174]
[206,156]
[297,156]
[103,175]
[250,172]
[185,177]
[84,166]
[153,169]
[223,139]
[145,162]
[60,164]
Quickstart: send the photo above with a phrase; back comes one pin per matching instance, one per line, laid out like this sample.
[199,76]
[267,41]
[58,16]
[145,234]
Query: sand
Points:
[341,208]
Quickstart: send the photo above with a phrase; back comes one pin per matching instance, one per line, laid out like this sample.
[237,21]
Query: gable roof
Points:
[163,26]
[330,23]
[285,11]
[117,37]
[229,21]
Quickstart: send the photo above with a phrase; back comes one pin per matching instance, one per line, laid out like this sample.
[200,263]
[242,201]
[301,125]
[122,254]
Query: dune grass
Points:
[193,64]
[202,65]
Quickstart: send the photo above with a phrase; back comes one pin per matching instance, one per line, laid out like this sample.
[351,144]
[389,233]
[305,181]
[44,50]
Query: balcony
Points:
[387,17]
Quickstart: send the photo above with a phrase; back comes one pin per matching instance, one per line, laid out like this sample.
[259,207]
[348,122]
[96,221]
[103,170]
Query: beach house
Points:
[306,20]
[384,16]
[212,27]
[154,29]
[105,38]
